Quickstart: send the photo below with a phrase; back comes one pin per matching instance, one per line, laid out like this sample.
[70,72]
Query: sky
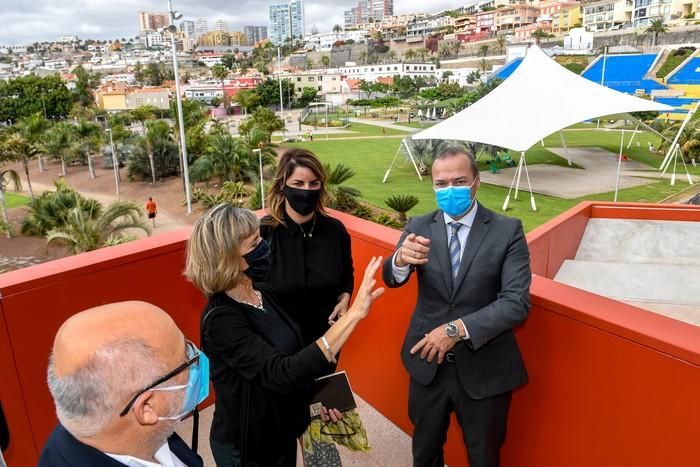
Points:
[28,21]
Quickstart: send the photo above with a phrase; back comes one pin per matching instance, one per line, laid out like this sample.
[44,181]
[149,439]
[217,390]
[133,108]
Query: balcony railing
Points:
[610,384]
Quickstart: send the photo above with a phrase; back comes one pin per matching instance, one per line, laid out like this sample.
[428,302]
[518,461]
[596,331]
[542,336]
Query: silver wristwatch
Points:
[452,330]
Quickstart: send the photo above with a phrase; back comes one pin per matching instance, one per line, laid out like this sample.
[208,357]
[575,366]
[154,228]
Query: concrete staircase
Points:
[651,264]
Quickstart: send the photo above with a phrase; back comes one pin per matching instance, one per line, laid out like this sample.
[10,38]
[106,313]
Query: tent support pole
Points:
[527,175]
[685,166]
[671,152]
[566,149]
[393,161]
[507,200]
[413,160]
[633,135]
[518,174]
[619,165]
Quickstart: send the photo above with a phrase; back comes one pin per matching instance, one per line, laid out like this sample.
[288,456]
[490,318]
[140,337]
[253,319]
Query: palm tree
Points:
[50,209]
[92,229]
[409,55]
[539,34]
[59,142]
[337,28]
[501,41]
[157,135]
[220,72]
[402,204]
[656,27]
[7,177]
[90,140]
[363,56]
[483,65]
[247,99]
[342,197]
[391,56]
[142,114]
[33,128]
[21,149]
[424,152]
[422,52]
[688,141]
[325,61]
[484,50]
[227,158]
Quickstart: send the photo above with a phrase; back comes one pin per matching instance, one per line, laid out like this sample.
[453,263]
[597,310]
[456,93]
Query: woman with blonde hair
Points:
[260,366]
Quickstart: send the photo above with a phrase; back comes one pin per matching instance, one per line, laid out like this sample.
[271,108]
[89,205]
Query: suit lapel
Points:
[477,234]
[438,244]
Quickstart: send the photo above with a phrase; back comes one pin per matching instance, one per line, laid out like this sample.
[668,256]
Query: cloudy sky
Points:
[27,21]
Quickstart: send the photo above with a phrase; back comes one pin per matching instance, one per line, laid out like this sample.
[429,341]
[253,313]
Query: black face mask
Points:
[259,261]
[302,201]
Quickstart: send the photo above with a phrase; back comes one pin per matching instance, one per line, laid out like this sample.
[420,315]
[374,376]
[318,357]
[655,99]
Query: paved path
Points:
[385,124]
[597,175]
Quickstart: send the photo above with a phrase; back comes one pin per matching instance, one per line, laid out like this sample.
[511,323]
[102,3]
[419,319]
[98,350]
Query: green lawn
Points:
[354,130]
[14,201]
[417,124]
[371,158]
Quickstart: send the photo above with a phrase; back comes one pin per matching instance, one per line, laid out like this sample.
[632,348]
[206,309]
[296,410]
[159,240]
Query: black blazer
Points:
[241,345]
[492,296]
[63,450]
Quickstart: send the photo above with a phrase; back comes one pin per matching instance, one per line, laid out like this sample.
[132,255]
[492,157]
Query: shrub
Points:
[387,220]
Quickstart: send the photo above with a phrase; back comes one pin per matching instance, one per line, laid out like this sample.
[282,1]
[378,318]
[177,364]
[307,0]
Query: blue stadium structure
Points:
[624,73]
[689,74]
[507,69]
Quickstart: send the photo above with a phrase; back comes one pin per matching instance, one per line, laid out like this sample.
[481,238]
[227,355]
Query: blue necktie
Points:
[455,249]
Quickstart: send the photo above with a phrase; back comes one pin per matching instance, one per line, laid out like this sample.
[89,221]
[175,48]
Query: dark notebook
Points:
[332,392]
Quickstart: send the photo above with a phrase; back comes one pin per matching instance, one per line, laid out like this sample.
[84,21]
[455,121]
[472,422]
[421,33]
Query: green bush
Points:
[363,212]
[673,60]
[389,221]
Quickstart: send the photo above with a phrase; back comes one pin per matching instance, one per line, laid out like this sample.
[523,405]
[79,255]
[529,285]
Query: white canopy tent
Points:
[538,99]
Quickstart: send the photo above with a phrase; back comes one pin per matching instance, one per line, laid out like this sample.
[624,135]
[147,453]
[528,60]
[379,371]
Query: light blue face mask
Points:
[197,385]
[455,201]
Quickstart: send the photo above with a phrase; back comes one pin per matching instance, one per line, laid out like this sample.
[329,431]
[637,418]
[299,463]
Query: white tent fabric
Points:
[538,99]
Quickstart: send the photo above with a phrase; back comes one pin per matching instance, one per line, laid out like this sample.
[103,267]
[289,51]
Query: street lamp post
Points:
[115,162]
[183,144]
[262,185]
[279,80]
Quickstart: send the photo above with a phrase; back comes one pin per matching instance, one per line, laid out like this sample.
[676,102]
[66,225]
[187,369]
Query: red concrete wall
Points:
[610,384]
[36,300]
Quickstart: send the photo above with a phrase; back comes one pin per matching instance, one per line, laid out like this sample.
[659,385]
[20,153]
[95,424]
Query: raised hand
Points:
[414,250]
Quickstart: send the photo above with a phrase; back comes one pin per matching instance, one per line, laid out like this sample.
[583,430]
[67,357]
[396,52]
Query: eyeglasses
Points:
[192,353]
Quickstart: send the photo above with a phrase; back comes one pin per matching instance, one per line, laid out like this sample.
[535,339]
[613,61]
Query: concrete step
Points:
[637,241]
[636,282]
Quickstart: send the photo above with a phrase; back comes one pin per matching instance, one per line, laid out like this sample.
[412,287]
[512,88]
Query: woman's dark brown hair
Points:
[290,160]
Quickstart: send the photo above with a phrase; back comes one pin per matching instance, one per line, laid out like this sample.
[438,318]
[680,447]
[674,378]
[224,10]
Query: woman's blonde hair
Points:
[290,160]
[213,251]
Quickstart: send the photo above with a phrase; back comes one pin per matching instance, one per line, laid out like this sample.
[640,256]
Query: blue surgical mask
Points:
[454,200]
[197,387]
[259,261]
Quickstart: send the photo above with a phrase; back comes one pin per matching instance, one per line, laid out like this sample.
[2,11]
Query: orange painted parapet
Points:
[36,300]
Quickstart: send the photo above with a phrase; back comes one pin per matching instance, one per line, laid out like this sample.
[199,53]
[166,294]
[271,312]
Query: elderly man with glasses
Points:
[122,376]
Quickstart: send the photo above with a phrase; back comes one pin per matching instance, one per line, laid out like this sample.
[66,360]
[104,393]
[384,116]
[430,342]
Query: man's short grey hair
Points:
[452,151]
[90,397]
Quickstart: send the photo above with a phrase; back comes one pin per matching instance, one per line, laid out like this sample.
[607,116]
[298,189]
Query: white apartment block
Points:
[221,25]
[323,42]
[603,15]
[200,27]
[370,73]
[323,82]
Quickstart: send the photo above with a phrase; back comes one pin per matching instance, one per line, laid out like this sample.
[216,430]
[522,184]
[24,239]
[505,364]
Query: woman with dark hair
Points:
[311,254]
[311,269]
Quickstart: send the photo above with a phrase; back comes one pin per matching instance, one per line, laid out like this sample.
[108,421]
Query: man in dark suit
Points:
[474,276]
[122,376]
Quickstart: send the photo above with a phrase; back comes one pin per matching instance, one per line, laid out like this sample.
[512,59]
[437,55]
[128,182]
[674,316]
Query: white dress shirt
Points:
[401,273]
[163,455]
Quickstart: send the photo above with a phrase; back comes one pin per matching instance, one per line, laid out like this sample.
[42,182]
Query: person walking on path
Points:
[152,210]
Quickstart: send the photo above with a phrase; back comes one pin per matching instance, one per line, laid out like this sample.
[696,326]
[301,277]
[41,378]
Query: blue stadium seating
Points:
[508,69]
[688,74]
[624,73]
[676,101]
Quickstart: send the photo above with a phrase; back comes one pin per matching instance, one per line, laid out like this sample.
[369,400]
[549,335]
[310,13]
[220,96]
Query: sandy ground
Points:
[22,251]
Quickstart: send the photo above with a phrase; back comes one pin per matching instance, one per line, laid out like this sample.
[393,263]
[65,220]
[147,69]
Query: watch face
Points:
[451,330]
